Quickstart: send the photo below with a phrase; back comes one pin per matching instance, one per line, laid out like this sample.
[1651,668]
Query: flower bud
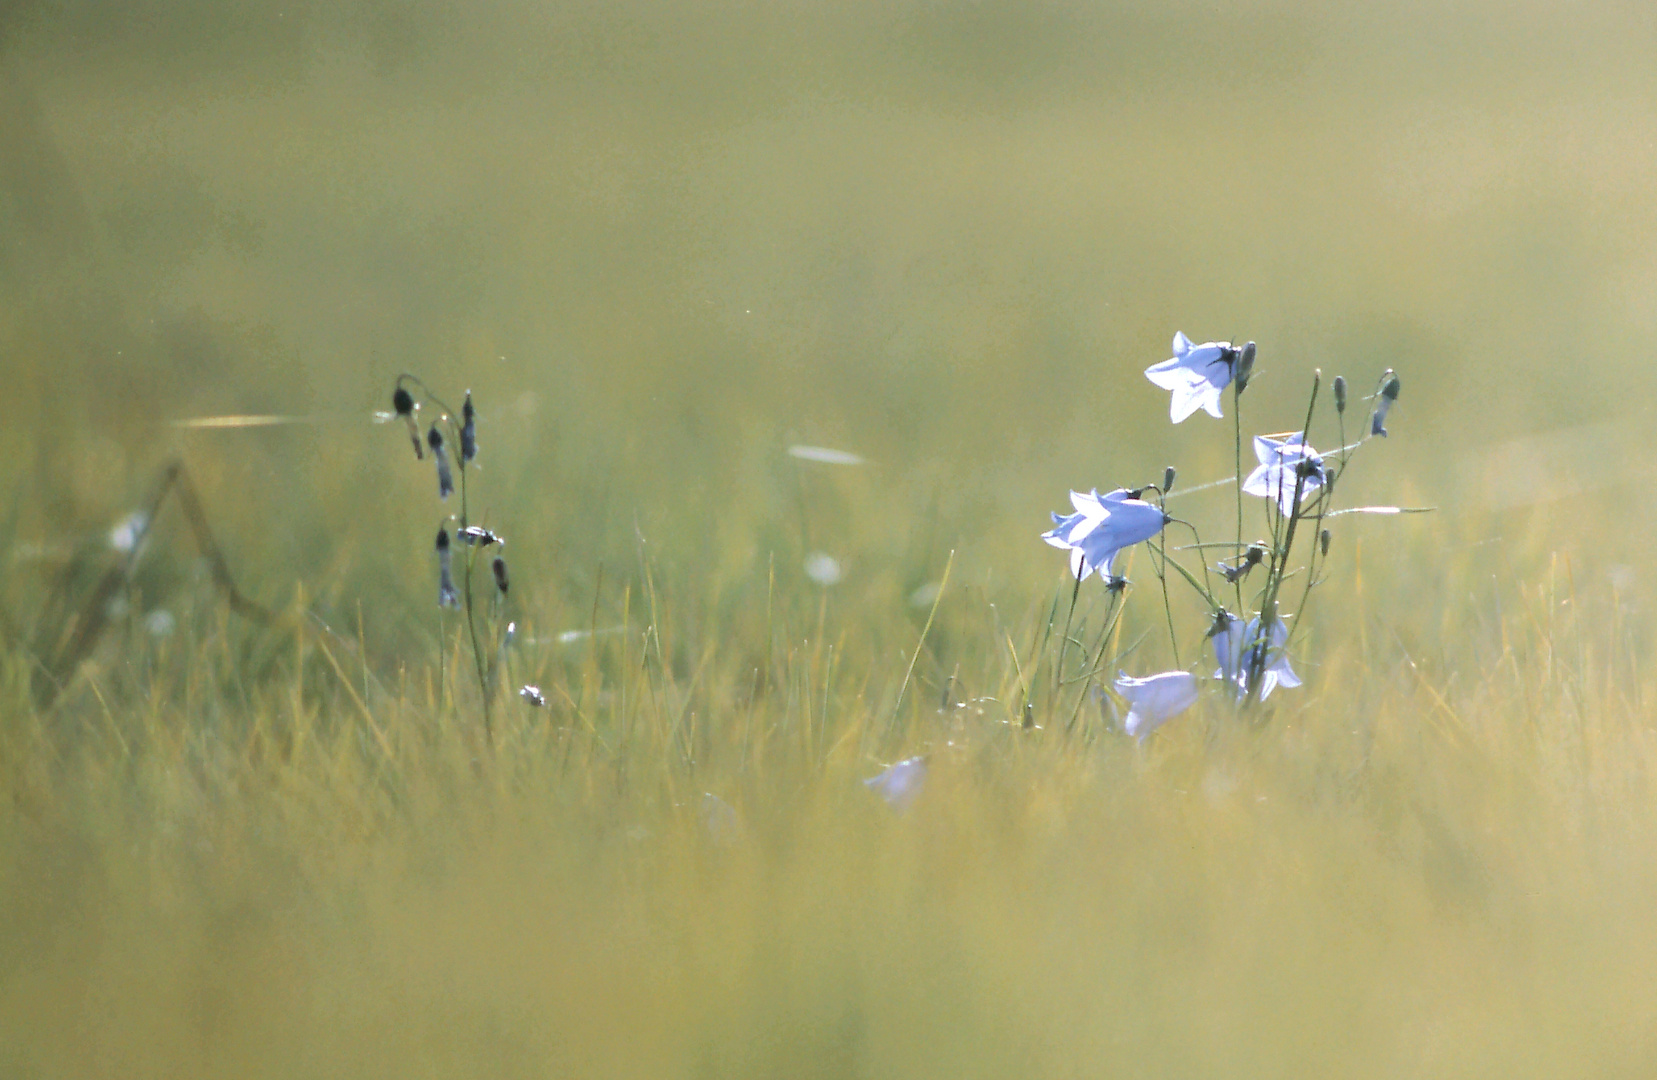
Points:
[468,430]
[447,595]
[445,478]
[403,403]
[499,567]
[1388,395]
[1323,542]
[1340,393]
[1244,367]
[1168,475]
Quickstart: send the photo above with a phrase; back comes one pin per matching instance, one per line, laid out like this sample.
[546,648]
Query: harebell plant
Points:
[452,428]
[1257,592]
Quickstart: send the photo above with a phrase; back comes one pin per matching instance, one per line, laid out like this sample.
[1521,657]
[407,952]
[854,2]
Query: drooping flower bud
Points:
[1340,393]
[445,478]
[468,430]
[1383,403]
[1168,475]
[447,595]
[402,402]
[1244,367]
[499,567]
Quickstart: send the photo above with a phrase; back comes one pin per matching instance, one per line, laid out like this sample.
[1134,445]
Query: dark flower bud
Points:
[468,430]
[1244,367]
[403,402]
[1168,475]
[447,595]
[1323,541]
[445,478]
[1388,395]
[1340,393]
[499,567]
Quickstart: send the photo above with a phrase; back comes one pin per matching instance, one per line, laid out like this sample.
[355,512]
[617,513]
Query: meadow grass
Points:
[661,245]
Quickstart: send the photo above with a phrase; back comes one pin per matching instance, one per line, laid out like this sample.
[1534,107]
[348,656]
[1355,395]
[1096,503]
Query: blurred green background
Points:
[661,242]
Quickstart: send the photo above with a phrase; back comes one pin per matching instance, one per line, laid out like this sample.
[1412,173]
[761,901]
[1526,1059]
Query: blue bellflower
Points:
[899,783]
[1234,645]
[1155,699]
[1197,375]
[1101,526]
[1284,461]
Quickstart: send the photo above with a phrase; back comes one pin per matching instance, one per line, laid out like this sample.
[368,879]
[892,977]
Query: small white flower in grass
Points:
[533,695]
[130,532]
[900,782]
[1101,526]
[1234,650]
[1285,461]
[823,568]
[1197,375]
[1155,699]
[720,819]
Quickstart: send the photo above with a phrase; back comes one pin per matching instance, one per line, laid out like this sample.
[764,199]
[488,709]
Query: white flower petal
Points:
[1170,374]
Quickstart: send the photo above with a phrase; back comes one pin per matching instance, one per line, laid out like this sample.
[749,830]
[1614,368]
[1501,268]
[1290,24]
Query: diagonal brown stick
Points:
[94,617]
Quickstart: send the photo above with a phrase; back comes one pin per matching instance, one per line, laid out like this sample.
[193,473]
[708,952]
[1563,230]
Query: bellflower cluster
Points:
[1264,581]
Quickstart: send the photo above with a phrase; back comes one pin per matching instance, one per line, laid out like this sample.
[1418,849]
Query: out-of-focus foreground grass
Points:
[663,242]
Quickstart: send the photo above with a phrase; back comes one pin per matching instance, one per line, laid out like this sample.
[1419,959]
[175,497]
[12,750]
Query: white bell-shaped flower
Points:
[1234,649]
[900,782]
[1285,462]
[1197,375]
[1101,526]
[1155,699]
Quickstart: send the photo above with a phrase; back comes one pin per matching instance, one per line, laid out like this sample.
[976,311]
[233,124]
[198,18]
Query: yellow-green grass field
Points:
[661,244]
